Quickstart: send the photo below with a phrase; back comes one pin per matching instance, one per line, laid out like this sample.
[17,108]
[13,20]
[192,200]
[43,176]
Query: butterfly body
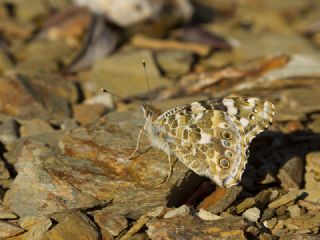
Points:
[210,137]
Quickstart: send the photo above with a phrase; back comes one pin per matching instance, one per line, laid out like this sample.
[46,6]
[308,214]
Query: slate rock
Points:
[185,227]
[291,173]
[220,199]
[106,73]
[9,230]
[73,226]
[21,99]
[93,170]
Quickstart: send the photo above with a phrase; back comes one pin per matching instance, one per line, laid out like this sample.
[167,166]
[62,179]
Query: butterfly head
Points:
[147,111]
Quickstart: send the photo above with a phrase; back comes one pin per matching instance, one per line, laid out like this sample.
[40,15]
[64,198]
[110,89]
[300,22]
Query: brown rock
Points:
[313,162]
[290,196]
[73,226]
[88,113]
[94,169]
[34,127]
[207,216]
[9,230]
[220,199]
[9,131]
[22,99]
[6,214]
[175,228]
[136,227]
[291,173]
[311,206]
[294,211]
[37,230]
[303,223]
[245,204]
[180,211]
[112,223]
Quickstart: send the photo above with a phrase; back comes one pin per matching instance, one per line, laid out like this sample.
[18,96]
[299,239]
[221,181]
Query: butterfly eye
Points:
[254,110]
[252,117]
[224,163]
[226,135]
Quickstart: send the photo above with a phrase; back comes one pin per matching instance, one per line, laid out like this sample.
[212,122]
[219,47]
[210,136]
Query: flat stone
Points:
[73,226]
[180,211]
[139,224]
[270,223]
[207,216]
[4,172]
[312,184]
[131,81]
[88,113]
[303,222]
[34,127]
[245,204]
[21,99]
[267,214]
[262,199]
[294,211]
[252,214]
[313,162]
[301,98]
[175,228]
[38,230]
[290,196]
[42,54]
[9,131]
[112,223]
[174,63]
[314,125]
[311,206]
[93,169]
[291,173]
[37,187]
[9,230]
[220,199]
[6,214]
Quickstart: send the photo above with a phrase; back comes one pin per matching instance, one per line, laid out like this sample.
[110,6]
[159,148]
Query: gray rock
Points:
[107,74]
[9,230]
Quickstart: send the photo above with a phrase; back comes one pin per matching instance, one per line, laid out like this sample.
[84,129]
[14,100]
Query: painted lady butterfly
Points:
[210,137]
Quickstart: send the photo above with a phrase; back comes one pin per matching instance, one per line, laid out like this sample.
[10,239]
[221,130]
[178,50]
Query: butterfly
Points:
[211,137]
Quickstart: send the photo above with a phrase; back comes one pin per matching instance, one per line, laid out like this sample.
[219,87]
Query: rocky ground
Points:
[64,172]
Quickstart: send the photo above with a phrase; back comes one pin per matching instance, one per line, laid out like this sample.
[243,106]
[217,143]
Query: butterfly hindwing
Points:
[209,142]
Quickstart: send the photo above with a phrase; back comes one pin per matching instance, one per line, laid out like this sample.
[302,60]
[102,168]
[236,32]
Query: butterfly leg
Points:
[137,145]
[169,174]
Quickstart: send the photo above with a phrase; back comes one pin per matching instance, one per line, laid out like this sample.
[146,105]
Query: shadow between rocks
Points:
[270,151]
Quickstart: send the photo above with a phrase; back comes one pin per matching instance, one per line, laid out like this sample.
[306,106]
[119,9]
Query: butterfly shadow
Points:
[275,156]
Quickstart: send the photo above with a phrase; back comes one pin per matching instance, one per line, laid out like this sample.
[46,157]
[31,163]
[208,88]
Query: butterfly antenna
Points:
[106,91]
[147,79]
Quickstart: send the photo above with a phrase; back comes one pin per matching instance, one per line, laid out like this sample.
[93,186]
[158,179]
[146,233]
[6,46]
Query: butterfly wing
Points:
[209,142]
[254,114]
